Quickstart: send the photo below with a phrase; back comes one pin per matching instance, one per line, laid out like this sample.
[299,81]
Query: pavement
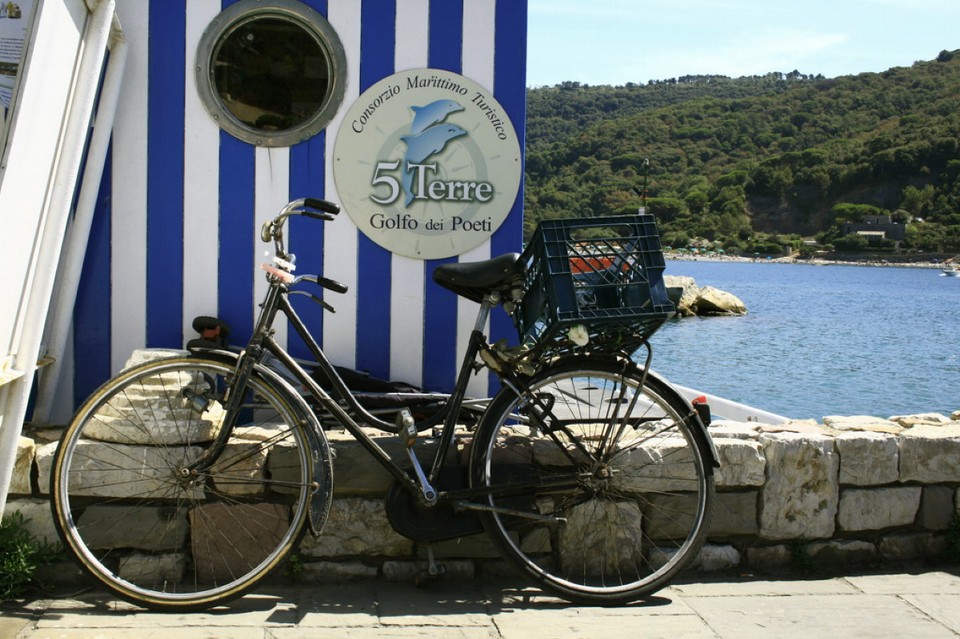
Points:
[915,604]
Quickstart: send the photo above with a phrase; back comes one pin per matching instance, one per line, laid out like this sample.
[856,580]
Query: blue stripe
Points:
[307,163]
[91,313]
[306,235]
[440,356]
[377,38]
[237,222]
[165,125]
[509,87]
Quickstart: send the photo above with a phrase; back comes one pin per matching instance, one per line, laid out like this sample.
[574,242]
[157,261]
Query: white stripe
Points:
[129,197]
[271,193]
[407,274]
[201,174]
[479,27]
[413,35]
[340,237]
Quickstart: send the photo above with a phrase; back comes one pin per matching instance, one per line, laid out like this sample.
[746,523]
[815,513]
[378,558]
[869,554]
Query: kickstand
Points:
[434,570]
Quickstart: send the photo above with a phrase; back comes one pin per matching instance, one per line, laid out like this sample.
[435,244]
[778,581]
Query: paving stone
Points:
[815,616]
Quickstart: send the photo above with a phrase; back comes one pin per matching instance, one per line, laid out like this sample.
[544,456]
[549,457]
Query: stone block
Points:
[724,429]
[357,473]
[930,454]
[878,508]
[240,468]
[323,572]
[591,525]
[868,458]
[909,421]
[801,494]
[936,507]
[669,516]
[741,463]
[712,558]
[479,546]
[141,528]
[357,527]
[169,567]
[412,571]
[735,514]
[20,483]
[776,556]
[841,551]
[905,546]
[861,423]
[43,458]
[104,470]
[664,466]
[144,355]
[221,551]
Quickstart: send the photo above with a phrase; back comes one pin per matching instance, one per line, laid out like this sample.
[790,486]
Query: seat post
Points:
[490,300]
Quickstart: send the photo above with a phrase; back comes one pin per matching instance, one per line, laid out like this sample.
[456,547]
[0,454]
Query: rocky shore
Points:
[695,257]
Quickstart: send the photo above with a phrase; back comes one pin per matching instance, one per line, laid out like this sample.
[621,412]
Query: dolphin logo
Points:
[433,113]
[421,146]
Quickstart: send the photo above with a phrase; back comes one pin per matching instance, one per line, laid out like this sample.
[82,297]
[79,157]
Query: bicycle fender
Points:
[321,496]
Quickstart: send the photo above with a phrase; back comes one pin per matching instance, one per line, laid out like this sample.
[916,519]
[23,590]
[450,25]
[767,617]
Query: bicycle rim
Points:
[136,519]
[620,494]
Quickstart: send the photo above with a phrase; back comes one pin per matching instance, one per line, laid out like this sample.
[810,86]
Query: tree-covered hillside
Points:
[749,163]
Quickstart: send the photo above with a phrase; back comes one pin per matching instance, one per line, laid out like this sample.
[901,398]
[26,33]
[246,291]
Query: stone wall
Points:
[847,490]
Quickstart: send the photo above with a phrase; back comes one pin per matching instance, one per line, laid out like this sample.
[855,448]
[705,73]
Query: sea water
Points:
[821,339]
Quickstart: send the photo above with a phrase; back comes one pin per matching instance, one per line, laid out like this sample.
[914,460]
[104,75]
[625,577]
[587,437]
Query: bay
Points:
[821,339]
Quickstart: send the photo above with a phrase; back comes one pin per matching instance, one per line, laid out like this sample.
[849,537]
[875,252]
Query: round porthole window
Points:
[271,73]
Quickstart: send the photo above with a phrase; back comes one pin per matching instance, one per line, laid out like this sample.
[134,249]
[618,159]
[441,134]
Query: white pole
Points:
[59,198]
[71,263]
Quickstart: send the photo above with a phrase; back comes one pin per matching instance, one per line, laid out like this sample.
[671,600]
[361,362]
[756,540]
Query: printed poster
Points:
[14,20]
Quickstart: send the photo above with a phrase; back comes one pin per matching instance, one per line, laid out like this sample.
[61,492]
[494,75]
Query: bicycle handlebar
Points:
[311,207]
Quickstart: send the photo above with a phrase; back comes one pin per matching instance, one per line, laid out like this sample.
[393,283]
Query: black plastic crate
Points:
[603,273]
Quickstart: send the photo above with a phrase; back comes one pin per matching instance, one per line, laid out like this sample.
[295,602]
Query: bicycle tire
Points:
[606,528]
[163,540]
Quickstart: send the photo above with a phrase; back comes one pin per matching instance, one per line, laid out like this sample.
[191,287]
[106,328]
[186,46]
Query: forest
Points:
[760,164]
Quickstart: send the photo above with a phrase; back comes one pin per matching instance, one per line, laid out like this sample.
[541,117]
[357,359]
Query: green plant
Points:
[294,566]
[21,554]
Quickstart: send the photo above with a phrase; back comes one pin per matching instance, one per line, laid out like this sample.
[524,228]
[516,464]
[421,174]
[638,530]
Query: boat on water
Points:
[951,271]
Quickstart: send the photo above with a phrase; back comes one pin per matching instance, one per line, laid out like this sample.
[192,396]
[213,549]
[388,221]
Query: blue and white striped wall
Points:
[175,234]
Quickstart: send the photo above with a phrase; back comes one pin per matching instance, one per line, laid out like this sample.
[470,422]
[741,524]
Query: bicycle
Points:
[183,482]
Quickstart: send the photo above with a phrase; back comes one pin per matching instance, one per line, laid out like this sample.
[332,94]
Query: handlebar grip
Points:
[321,205]
[332,285]
[325,282]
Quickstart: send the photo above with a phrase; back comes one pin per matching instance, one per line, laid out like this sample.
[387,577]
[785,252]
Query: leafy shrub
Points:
[20,556]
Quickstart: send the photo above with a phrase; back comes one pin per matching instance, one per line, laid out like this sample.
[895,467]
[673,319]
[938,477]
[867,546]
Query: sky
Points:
[619,41]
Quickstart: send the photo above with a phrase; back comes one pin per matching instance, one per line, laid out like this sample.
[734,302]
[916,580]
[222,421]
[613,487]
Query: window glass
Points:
[271,73]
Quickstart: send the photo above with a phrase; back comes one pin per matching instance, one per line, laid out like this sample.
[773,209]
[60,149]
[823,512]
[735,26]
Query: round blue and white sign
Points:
[427,164]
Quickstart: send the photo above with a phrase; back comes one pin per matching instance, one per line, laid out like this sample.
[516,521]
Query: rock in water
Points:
[713,301]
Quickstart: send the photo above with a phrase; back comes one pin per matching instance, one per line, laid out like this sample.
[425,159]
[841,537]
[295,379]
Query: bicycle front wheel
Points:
[599,490]
[146,523]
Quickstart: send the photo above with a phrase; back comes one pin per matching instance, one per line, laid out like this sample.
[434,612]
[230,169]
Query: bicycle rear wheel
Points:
[599,490]
[127,505]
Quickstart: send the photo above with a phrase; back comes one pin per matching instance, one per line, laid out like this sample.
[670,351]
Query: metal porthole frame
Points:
[295,12]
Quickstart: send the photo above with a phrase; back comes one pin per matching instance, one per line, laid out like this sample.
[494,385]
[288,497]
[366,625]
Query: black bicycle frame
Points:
[263,341]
